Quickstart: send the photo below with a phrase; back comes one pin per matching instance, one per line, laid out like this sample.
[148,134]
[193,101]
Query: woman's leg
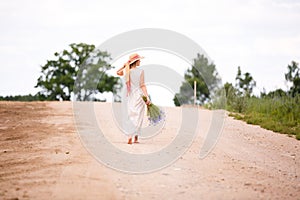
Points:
[136,139]
[129,140]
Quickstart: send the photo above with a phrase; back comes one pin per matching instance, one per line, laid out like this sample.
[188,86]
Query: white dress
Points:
[133,105]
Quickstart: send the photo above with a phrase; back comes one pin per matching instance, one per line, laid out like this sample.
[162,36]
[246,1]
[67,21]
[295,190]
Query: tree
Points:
[278,93]
[230,91]
[58,75]
[206,77]
[235,101]
[92,77]
[245,83]
[293,76]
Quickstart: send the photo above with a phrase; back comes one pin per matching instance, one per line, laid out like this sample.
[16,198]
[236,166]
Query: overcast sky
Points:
[261,36]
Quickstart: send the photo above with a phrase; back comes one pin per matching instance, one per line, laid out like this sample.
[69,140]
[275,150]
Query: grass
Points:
[269,123]
[279,114]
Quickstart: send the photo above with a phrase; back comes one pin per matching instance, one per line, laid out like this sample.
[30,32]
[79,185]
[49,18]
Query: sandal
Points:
[136,139]
[129,141]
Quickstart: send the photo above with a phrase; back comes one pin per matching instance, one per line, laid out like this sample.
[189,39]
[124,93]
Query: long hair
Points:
[133,64]
[127,78]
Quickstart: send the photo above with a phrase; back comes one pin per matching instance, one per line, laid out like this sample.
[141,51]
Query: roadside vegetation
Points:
[277,110]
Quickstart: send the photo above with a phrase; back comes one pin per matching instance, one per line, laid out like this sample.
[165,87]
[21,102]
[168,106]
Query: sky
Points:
[260,36]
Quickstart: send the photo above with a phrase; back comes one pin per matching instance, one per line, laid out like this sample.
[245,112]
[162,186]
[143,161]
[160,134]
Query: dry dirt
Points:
[42,157]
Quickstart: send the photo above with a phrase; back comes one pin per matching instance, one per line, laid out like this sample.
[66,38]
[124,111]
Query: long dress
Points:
[133,105]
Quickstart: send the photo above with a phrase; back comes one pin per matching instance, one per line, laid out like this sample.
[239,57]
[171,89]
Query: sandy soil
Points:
[42,157]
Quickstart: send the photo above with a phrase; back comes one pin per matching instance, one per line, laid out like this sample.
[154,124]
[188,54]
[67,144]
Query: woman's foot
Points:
[136,139]
[129,141]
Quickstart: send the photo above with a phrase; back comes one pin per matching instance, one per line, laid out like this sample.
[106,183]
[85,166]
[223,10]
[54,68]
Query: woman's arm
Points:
[144,88]
[120,71]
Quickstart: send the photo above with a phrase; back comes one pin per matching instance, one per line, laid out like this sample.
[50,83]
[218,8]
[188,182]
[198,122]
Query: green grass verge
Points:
[267,122]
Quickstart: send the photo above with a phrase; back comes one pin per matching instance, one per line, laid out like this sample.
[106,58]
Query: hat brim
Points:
[139,58]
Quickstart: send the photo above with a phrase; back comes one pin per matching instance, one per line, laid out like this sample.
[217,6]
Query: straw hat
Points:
[134,57]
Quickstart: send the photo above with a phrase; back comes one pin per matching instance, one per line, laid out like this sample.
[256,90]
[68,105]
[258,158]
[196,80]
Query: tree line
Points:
[57,79]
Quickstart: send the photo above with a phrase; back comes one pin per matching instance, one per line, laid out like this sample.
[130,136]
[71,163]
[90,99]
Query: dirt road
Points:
[42,157]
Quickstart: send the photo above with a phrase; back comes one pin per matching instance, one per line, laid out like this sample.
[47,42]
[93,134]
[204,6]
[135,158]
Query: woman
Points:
[135,105]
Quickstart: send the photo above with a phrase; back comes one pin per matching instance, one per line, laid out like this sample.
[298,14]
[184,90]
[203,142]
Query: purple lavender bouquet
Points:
[154,113]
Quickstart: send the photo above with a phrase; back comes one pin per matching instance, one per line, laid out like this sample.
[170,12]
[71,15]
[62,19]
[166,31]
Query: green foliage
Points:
[235,100]
[92,77]
[236,97]
[29,97]
[58,75]
[185,95]
[206,77]
[275,94]
[245,83]
[278,114]
[293,76]
[277,110]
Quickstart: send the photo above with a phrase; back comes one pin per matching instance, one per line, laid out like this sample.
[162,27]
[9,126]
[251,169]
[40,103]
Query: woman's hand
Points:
[148,102]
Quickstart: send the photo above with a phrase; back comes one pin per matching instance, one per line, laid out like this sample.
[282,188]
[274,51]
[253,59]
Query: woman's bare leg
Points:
[136,139]
[129,140]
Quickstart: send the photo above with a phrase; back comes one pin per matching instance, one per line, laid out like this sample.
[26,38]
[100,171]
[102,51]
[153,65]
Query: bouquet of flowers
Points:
[154,113]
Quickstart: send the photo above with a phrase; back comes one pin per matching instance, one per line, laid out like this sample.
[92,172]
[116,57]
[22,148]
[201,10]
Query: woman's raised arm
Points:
[120,71]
